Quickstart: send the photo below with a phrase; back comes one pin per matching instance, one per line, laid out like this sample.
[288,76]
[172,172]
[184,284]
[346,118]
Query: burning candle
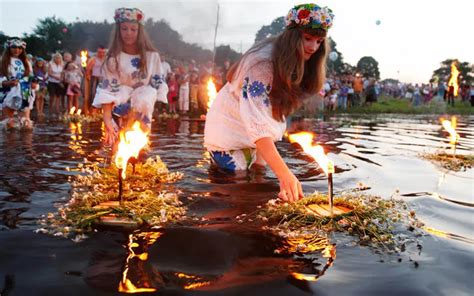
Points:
[131,142]
[305,140]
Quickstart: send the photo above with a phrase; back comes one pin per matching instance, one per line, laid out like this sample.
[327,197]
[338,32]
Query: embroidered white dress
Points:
[20,96]
[125,86]
[241,114]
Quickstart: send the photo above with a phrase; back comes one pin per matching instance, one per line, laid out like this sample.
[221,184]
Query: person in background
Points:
[183,95]
[172,93]
[73,78]
[55,86]
[17,87]
[40,72]
[93,73]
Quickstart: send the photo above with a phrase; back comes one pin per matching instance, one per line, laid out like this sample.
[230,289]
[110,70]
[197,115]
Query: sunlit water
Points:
[221,256]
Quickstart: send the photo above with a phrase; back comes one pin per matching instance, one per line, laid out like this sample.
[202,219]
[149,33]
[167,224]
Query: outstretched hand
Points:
[111,132]
[290,188]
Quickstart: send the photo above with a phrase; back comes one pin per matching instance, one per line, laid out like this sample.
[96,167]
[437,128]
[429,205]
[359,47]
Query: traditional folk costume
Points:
[241,114]
[21,96]
[124,85]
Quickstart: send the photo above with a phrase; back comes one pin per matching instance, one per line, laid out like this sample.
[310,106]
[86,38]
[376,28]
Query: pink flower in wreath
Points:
[139,16]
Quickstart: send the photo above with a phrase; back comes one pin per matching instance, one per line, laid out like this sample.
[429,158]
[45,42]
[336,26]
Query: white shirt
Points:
[118,82]
[241,114]
[56,70]
[166,68]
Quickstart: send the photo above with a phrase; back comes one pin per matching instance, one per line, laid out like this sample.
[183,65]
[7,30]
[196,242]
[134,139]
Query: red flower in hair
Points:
[303,13]
[139,16]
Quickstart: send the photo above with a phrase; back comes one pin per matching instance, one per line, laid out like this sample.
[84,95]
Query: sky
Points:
[412,39]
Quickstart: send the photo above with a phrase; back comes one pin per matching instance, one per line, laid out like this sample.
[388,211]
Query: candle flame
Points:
[72,110]
[211,93]
[84,54]
[454,78]
[131,142]
[78,111]
[305,139]
[450,126]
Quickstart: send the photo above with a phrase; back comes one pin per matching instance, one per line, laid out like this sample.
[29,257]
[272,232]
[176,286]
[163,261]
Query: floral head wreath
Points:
[15,42]
[133,15]
[310,16]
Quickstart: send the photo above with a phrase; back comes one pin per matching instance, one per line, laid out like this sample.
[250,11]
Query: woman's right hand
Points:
[111,131]
[290,187]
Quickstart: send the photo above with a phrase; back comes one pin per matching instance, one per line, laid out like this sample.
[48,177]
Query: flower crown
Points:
[133,15]
[310,16]
[15,42]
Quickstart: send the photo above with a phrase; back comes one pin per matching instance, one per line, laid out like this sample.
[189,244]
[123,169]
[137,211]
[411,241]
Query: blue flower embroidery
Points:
[156,81]
[18,63]
[256,89]
[135,62]
[223,160]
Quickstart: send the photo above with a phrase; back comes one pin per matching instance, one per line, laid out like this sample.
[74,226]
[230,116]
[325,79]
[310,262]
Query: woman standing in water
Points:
[269,83]
[17,90]
[132,77]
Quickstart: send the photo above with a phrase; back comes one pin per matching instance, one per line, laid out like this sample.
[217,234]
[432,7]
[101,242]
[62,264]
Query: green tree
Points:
[368,67]
[275,28]
[443,73]
[54,32]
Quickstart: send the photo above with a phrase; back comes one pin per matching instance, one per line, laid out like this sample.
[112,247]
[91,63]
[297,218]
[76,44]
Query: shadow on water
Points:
[217,255]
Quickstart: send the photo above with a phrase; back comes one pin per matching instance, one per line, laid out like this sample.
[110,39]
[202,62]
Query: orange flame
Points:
[450,126]
[131,142]
[211,93]
[305,139]
[454,78]
[84,54]
[78,111]
[72,110]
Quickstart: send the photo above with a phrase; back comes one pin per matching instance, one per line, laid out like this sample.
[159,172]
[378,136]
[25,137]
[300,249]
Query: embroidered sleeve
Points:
[157,79]
[110,89]
[255,108]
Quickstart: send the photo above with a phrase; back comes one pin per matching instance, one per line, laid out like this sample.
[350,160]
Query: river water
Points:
[223,257]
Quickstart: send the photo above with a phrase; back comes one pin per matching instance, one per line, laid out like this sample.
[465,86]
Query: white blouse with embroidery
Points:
[12,97]
[126,82]
[241,114]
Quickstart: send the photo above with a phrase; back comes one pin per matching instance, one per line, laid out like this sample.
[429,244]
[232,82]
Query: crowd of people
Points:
[341,92]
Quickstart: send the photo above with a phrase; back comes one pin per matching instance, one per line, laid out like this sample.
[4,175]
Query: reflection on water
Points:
[217,253]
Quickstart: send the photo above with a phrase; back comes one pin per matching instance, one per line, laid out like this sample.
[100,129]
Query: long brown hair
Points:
[143,44]
[6,58]
[292,75]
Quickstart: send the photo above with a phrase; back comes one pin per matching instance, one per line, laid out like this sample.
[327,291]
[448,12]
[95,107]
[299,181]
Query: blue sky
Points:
[412,39]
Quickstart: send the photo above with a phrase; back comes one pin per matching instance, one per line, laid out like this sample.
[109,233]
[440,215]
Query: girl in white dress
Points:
[17,92]
[132,78]
[264,87]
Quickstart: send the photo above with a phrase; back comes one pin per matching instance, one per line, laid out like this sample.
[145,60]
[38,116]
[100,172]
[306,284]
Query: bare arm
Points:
[290,188]
[110,126]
